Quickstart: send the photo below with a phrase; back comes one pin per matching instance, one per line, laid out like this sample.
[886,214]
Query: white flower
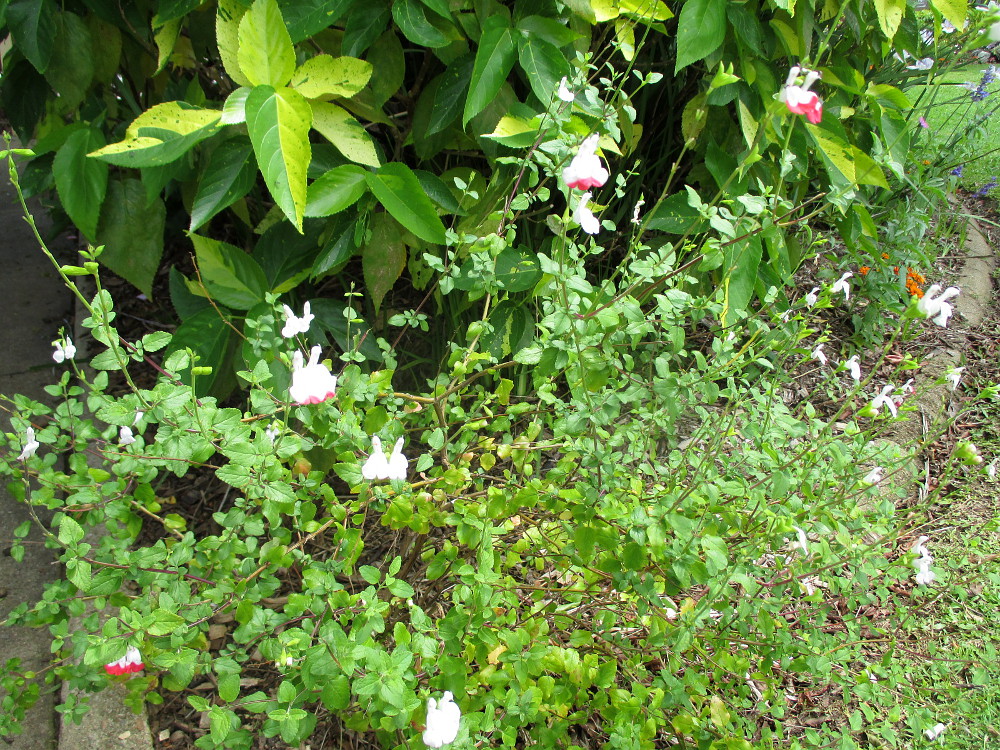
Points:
[585,217]
[947,26]
[585,170]
[443,720]
[812,298]
[312,383]
[272,431]
[818,355]
[938,307]
[564,92]
[295,325]
[802,543]
[874,476]
[398,465]
[841,285]
[131,662]
[884,398]
[923,562]
[904,390]
[919,548]
[30,445]
[954,377]
[125,436]
[635,211]
[854,367]
[935,731]
[378,467]
[64,349]
[991,470]
[138,417]
[925,64]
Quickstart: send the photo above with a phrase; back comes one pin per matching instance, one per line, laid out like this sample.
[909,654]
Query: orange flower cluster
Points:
[864,270]
[913,282]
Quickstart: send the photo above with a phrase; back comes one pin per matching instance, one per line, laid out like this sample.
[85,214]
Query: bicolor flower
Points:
[295,325]
[585,217]
[64,349]
[874,476]
[443,720]
[125,436]
[131,662]
[884,399]
[854,367]
[378,467]
[954,377]
[841,285]
[813,297]
[937,307]
[312,383]
[30,445]
[818,355]
[564,92]
[585,170]
[798,98]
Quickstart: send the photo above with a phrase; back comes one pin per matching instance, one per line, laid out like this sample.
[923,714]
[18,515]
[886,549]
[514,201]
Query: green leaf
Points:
[336,190]
[890,13]
[70,532]
[278,122]
[107,54]
[954,10]
[81,182]
[412,21]
[517,270]
[166,38]
[169,10]
[161,135]
[646,10]
[742,259]
[364,28]
[186,304]
[383,258]
[286,256]
[325,75]
[131,229]
[71,67]
[229,686]
[213,341]
[306,18]
[163,622]
[398,190]
[230,275]
[544,65]
[32,23]
[494,60]
[450,94]
[266,54]
[546,29]
[700,30]
[855,165]
[340,128]
[386,54]
[227,35]
[229,175]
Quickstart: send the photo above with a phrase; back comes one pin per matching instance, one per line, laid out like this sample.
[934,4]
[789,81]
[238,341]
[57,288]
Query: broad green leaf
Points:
[544,65]
[165,39]
[213,341]
[229,275]
[70,532]
[285,256]
[494,60]
[742,259]
[515,132]
[81,182]
[954,10]
[306,18]
[412,21]
[32,23]
[890,13]
[185,302]
[855,165]
[324,76]
[517,270]
[71,67]
[700,30]
[343,131]
[546,29]
[234,109]
[160,135]
[386,55]
[450,95]
[438,6]
[383,258]
[227,35]
[278,123]
[229,175]
[131,229]
[646,10]
[107,54]
[266,55]
[364,28]
[694,117]
[399,191]
[336,190]
[170,10]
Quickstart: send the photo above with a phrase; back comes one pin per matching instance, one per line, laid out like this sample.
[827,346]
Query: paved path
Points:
[34,306]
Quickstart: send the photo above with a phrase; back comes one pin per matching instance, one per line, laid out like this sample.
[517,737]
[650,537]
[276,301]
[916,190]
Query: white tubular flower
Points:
[802,542]
[585,170]
[841,285]
[398,466]
[564,92]
[125,436]
[813,297]
[64,349]
[874,476]
[635,211]
[885,399]
[854,367]
[131,662]
[919,548]
[295,325]
[30,445]
[376,467]
[937,307]
[311,383]
[935,731]
[923,64]
[443,720]
[954,377]
[991,470]
[585,217]
[818,355]
[272,432]
[925,576]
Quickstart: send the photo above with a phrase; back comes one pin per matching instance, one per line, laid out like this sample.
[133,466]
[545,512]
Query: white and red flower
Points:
[798,98]
[131,662]
[312,383]
[585,170]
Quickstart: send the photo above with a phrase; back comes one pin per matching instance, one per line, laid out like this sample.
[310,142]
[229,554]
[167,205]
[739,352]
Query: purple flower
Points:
[957,171]
[985,189]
